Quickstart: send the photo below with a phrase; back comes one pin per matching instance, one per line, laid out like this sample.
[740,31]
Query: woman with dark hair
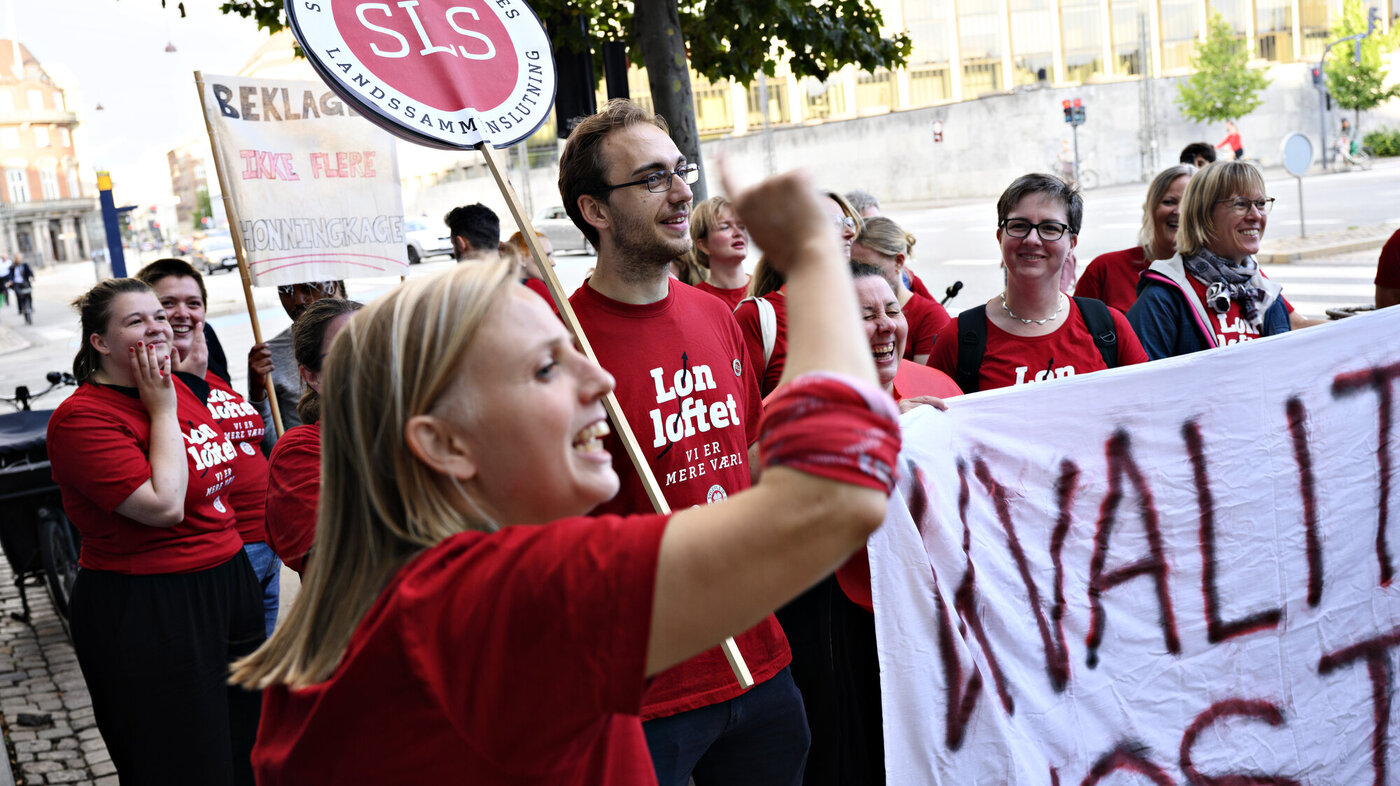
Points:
[462,619]
[294,471]
[884,244]
[1212,292]
[1113,277]
[180,289]
[182,310]
[165,597]
[1032,331]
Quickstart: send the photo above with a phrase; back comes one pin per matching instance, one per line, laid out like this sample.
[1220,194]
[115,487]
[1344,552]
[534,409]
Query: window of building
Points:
[930,80]
[875,93]
[58,102]
[1032,41]
[1314,27]
[48,182]
[1179,33]
[979,39]
[7,100]
[1236,12]
[1131,38]
[777,103]
[9,138]
[18,180]
[75,189]
[36,99]
[1273,30]
[714,106]
[41,136]
[1081,29]
[823,99]
[64,140]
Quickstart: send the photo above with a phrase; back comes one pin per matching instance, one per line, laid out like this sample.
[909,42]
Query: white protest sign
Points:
[1172,573]
[315,188]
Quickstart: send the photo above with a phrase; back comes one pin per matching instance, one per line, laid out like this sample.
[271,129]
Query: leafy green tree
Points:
[1223,87]
[203,207]
[720,39]
[1359,86]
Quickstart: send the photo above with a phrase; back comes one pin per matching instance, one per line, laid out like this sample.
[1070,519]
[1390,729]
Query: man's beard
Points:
[642,251]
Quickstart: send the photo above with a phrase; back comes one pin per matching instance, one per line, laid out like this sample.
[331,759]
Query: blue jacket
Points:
[1170,320]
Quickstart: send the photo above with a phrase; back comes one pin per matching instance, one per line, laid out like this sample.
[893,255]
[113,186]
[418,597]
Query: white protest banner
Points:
[314,188]
[1173,573]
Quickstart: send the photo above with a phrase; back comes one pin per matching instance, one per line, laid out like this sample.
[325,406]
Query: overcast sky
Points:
[113,52]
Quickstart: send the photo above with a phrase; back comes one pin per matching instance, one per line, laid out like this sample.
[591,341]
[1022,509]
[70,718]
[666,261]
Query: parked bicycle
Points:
[39,542]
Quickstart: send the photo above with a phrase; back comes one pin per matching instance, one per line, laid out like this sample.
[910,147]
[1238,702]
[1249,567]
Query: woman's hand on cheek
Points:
[153,381]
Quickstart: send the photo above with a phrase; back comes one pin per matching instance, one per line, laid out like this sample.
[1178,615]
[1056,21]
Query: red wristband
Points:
[834,427]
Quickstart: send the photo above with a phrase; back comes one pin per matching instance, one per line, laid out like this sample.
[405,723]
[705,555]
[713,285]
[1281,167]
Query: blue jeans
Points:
[758,738]
[269,571]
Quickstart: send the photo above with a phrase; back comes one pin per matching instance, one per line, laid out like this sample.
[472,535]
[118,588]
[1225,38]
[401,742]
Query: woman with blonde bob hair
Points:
[1211,293]
[720,246]
[438,638]
[1113,277]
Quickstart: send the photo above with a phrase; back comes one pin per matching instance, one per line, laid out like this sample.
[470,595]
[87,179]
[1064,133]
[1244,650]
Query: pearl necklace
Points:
[1024,321]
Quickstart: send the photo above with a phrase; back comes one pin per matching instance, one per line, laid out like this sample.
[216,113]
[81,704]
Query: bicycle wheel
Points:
[59,553]
[1362,158]
[1088,179]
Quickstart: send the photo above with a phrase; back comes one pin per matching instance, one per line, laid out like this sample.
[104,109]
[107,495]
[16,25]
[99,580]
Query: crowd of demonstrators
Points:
[275,359]
[1212,292]
[293,486]
[165,597]
[434,637]
[683,378]
[180,290]
[886,245]
[721,244]
[763,315]
[1388,273]
[475,231]
[1113,277]
[1032,331]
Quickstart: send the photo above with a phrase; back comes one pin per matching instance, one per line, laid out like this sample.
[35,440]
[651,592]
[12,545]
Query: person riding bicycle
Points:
[21,280]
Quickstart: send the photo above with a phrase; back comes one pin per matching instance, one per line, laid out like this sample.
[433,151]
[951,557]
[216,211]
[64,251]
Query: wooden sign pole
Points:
[615,414]
[232,214]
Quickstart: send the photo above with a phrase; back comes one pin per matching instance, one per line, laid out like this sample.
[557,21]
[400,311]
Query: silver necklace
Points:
[1023,320]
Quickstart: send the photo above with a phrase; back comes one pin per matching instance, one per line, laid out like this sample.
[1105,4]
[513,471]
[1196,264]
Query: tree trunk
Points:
[656,27]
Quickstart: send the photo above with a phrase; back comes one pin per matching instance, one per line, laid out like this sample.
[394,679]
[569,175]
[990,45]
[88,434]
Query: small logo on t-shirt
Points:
[738,368]
[248,449]
[219,505]
[716,492]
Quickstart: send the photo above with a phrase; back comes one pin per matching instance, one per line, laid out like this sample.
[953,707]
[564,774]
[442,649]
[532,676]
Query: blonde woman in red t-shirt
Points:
[1113,277]
[721,244]
[165,596]
[886,245]
[439,637]
[1033,331]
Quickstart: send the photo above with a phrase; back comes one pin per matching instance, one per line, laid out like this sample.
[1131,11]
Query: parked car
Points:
[559,228]
[214,253]
[424,242]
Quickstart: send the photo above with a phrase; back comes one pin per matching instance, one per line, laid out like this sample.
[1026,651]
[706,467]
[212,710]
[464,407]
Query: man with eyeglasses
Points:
[275,358]
[685,384]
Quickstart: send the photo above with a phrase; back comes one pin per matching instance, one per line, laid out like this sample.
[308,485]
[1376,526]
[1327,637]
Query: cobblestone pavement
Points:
[48,713]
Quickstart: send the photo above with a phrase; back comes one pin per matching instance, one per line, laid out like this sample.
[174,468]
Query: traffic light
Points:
[1078,112]
[1372,19]
[1069,111]
[1317,76]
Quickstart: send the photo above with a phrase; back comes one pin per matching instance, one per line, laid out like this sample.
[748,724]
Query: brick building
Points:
[44,215]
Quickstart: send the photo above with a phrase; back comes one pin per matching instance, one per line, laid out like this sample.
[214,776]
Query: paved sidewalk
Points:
[1320,246]
[48,713]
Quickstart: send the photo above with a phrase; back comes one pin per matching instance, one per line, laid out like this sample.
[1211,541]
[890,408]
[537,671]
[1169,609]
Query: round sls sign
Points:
[447,73]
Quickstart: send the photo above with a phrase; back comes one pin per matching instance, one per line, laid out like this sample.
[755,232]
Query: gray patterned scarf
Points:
[1227,281]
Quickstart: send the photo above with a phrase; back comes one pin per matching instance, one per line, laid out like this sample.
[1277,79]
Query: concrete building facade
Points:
[44,215]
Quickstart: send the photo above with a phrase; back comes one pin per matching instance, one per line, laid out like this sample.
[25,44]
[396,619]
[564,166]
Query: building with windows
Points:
[43,213]
[187,178]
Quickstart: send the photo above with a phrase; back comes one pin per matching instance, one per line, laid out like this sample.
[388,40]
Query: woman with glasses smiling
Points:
[1212,294]
[1031,331]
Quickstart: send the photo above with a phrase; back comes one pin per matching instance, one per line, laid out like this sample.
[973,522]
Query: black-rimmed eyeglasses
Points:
[660,182]
[1048,230]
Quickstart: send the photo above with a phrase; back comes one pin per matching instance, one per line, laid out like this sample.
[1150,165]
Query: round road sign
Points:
[1297,154]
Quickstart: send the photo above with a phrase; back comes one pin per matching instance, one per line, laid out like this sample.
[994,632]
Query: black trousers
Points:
[155,652]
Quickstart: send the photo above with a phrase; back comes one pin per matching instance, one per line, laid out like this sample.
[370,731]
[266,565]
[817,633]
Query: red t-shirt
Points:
[925,319]
[293,493]
[516,657]
[244,427]
[685,384]
[1113,278]
[540,288]
[916,285]
[1388,266]
[99,450]
[1017,360]
[747,317]
[1228,328]
[731,297]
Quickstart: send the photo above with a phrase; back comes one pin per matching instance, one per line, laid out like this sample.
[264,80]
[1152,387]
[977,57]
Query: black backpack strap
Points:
[1099,321]
[972,342]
